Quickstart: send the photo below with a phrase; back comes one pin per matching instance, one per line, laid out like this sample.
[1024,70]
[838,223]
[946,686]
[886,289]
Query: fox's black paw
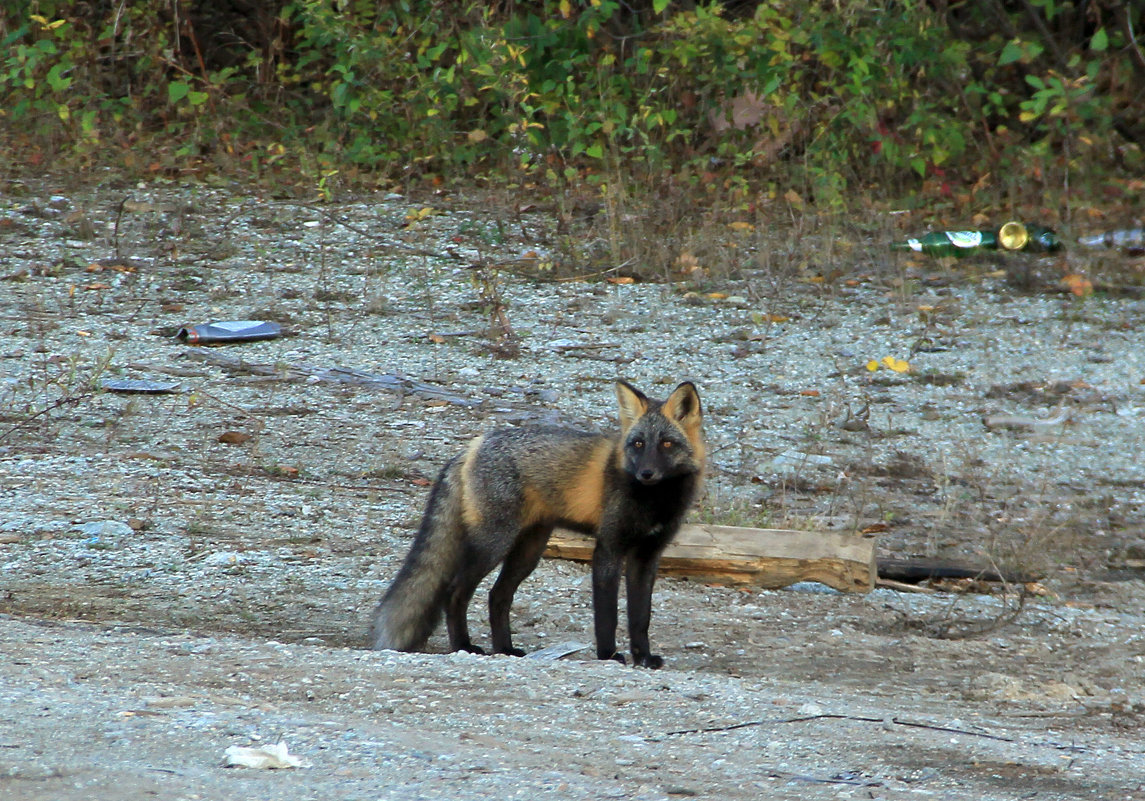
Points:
[470,648]
[510,652]
[650,661]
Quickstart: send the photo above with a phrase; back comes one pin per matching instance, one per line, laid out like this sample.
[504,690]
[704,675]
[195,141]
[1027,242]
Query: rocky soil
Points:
[188,571]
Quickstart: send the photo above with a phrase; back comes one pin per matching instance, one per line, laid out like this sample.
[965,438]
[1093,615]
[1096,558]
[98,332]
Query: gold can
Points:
[1013,236]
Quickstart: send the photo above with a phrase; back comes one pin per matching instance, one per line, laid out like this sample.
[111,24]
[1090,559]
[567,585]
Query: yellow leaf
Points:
[478,136]
[413,215]
[718,295]
[742,227]
[793,197]
[566,8]
[898,365]
[873,366]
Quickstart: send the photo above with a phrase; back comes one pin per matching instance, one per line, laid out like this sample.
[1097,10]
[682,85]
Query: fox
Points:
[498,502]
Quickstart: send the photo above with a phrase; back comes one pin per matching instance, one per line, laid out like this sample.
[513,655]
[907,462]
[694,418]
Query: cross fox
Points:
[497,503]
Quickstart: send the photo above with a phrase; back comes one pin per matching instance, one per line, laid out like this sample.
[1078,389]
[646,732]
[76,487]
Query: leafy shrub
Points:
[832,98]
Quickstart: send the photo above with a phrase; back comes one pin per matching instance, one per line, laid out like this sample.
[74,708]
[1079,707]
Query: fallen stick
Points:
[902,586]
[767,558]
[392,382]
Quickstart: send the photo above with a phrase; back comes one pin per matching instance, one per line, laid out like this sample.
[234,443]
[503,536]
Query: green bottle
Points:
[951,243]
[1011,236]
[1042,239]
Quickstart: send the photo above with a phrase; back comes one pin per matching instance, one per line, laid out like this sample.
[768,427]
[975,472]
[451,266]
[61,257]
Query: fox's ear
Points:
[683,405]
[633,403]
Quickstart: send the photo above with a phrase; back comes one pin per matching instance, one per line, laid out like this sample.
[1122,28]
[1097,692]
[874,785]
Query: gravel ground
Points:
[187,572]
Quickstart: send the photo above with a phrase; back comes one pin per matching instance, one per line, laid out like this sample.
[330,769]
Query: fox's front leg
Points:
[641,576]
[605,591]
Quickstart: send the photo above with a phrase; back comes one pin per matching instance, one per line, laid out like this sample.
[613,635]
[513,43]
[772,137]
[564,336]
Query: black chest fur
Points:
[653,511]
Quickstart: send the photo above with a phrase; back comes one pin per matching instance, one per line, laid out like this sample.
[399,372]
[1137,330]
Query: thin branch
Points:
[861,719]
[67,401]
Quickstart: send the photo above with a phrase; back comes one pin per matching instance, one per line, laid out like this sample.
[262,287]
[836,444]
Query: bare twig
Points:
[1131,36]
[950,629]
[66,401]
[115,230]
[862,719]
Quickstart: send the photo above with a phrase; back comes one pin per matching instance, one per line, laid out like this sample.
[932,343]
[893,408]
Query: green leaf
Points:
[57,80]
[594,151]
[1010,53]
[658,6]
[177,90]
[1100,41]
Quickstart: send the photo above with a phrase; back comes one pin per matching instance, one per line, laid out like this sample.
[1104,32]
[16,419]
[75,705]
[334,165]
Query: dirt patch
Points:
[184,572]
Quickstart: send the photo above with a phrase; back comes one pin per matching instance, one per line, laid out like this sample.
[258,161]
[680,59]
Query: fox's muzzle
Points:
[647,476]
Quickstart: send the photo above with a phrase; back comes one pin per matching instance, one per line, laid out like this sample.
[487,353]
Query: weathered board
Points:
[761,557]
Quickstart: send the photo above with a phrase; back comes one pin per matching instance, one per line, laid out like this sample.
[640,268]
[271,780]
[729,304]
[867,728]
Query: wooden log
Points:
[760,557]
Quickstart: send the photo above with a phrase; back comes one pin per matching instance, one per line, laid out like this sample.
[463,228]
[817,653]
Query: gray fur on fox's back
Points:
[412,607]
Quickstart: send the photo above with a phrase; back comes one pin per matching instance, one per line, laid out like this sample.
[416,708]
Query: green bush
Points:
[833,98]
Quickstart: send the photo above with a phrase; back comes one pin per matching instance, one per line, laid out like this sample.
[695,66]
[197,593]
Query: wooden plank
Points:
[761,557]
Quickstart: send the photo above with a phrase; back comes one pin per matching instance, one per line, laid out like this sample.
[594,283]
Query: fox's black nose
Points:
[648,476]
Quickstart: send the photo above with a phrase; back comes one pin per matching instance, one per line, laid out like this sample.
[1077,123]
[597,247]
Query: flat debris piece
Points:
[144,386]
[760,557]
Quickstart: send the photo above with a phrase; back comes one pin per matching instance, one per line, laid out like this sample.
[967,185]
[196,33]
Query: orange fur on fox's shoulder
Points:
[584,495]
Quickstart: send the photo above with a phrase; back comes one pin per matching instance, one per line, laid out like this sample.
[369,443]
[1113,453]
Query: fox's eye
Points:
[637,444]
[667,445]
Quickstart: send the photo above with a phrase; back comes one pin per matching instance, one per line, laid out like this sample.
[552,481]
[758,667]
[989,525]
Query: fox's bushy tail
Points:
[412,606]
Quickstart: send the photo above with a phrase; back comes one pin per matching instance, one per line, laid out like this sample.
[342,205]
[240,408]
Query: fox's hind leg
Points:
[474,568]
[521,561]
